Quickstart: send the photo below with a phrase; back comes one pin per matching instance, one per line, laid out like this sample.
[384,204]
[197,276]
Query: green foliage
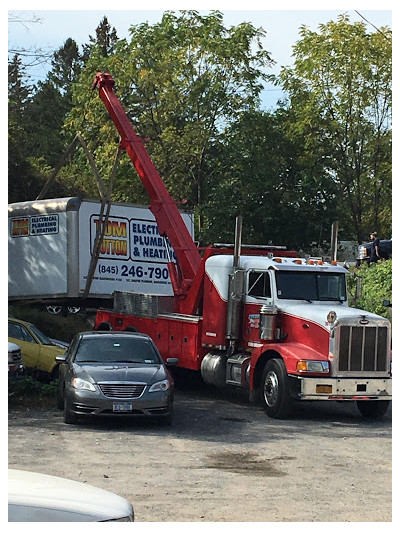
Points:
[262,174]
[191,88]
[181,81]
[54,326]
[376,287]
[28,392]
[340,94]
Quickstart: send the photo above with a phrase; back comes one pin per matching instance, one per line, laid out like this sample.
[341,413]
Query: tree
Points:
[51,103]
[182,81]
[340,94]
[106,40]
[66,67]
[20,172]
[264,175]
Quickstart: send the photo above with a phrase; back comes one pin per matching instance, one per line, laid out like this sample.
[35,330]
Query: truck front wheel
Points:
[275,389]
[372,408]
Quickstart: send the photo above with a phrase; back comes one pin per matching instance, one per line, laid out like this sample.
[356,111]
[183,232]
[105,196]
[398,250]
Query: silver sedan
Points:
[114,374]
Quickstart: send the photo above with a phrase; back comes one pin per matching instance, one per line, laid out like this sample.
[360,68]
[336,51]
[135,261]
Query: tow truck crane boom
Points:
[163,207]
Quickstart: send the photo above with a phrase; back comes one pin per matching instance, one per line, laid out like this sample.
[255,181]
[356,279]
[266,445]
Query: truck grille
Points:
[363,349]
[122,390]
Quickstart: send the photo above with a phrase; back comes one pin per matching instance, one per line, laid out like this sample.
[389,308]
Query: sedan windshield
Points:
[116,350]
[311,286]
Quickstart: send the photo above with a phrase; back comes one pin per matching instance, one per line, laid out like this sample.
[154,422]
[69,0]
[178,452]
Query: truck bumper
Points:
[344,389]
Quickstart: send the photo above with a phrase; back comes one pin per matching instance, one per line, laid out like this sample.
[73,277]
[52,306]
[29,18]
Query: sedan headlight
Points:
[81,384]
[160,386]
[313,366]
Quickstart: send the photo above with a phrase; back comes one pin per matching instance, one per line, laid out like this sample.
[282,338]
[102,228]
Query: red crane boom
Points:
[163,207]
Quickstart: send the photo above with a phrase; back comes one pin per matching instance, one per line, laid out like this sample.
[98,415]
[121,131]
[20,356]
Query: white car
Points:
[15,366]
[34,497]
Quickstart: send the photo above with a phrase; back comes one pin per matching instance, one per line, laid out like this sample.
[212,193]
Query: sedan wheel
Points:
[69,416]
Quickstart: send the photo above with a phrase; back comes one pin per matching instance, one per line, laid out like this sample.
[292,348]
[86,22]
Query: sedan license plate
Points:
[122,407]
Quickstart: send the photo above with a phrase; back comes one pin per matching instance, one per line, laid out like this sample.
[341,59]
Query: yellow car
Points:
[38,351]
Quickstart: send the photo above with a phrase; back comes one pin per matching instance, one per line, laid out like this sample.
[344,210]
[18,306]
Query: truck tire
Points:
[275,389]
[373,409]
[131,328]
[104,326]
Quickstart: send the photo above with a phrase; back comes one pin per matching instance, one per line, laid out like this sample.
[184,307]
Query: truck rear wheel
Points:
[275,389]
[373,409]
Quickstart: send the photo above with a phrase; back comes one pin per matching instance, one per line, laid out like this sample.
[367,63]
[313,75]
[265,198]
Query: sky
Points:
[282,25]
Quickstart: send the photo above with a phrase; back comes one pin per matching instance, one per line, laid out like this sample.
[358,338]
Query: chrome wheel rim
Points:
[271,389]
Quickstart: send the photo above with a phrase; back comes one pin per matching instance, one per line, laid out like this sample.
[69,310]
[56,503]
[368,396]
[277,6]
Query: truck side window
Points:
[259,284]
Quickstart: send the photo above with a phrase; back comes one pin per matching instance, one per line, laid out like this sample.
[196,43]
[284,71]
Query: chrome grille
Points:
[122,390]
[362,349]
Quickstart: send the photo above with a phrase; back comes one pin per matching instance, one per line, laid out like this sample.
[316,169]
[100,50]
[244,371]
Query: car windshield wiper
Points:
[87,361]
[126,361]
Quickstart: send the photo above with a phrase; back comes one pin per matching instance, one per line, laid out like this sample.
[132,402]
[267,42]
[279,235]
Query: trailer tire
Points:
[275,389]
[372,408]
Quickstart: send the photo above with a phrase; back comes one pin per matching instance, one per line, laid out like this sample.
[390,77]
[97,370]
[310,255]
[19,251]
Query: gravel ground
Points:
[223,460]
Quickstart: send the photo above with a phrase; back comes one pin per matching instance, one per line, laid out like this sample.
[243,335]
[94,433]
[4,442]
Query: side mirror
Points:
[172,361]
[61,358]
[387,303]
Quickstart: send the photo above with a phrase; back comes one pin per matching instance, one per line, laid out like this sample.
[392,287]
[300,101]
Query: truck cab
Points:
[292,318]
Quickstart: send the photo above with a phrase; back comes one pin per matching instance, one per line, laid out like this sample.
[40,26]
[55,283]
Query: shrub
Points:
[376,287]
[31,393]
[55,326]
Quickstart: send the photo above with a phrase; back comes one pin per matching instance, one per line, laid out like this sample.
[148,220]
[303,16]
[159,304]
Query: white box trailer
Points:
[50,245]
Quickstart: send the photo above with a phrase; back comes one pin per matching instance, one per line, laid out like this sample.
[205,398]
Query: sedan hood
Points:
[120,372]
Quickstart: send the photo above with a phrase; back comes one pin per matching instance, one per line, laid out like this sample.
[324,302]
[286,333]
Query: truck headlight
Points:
[312,366]
[160,386]
[81,384]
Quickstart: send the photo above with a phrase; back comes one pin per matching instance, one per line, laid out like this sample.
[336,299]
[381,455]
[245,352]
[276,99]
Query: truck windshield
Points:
[311,286]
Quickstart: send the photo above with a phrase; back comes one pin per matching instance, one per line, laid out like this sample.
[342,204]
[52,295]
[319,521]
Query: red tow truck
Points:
[256,317]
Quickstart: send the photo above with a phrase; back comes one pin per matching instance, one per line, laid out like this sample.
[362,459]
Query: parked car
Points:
[364,251]
[57,342]
[34,497]
[114,373]
[15,366]
[38,351]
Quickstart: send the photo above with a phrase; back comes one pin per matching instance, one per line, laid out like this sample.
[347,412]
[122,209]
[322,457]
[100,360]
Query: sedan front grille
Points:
[363,349]
[122,390]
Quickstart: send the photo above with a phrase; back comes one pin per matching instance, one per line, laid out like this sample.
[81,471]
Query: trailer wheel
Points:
[275,389]
[373,409]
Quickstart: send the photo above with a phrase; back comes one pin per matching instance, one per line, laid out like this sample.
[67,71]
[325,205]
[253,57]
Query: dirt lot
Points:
[222,460]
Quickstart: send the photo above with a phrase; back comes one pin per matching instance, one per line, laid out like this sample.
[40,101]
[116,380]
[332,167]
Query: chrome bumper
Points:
[345,389]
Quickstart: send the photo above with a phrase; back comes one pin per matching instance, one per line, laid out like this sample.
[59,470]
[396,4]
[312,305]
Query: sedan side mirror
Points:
[172,361]
[387,303]
[61,358]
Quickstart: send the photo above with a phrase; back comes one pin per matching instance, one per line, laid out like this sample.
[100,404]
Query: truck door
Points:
[258,293]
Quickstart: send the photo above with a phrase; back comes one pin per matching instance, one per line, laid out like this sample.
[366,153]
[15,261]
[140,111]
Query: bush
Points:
[376,287]
[54,326]
[31,393]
